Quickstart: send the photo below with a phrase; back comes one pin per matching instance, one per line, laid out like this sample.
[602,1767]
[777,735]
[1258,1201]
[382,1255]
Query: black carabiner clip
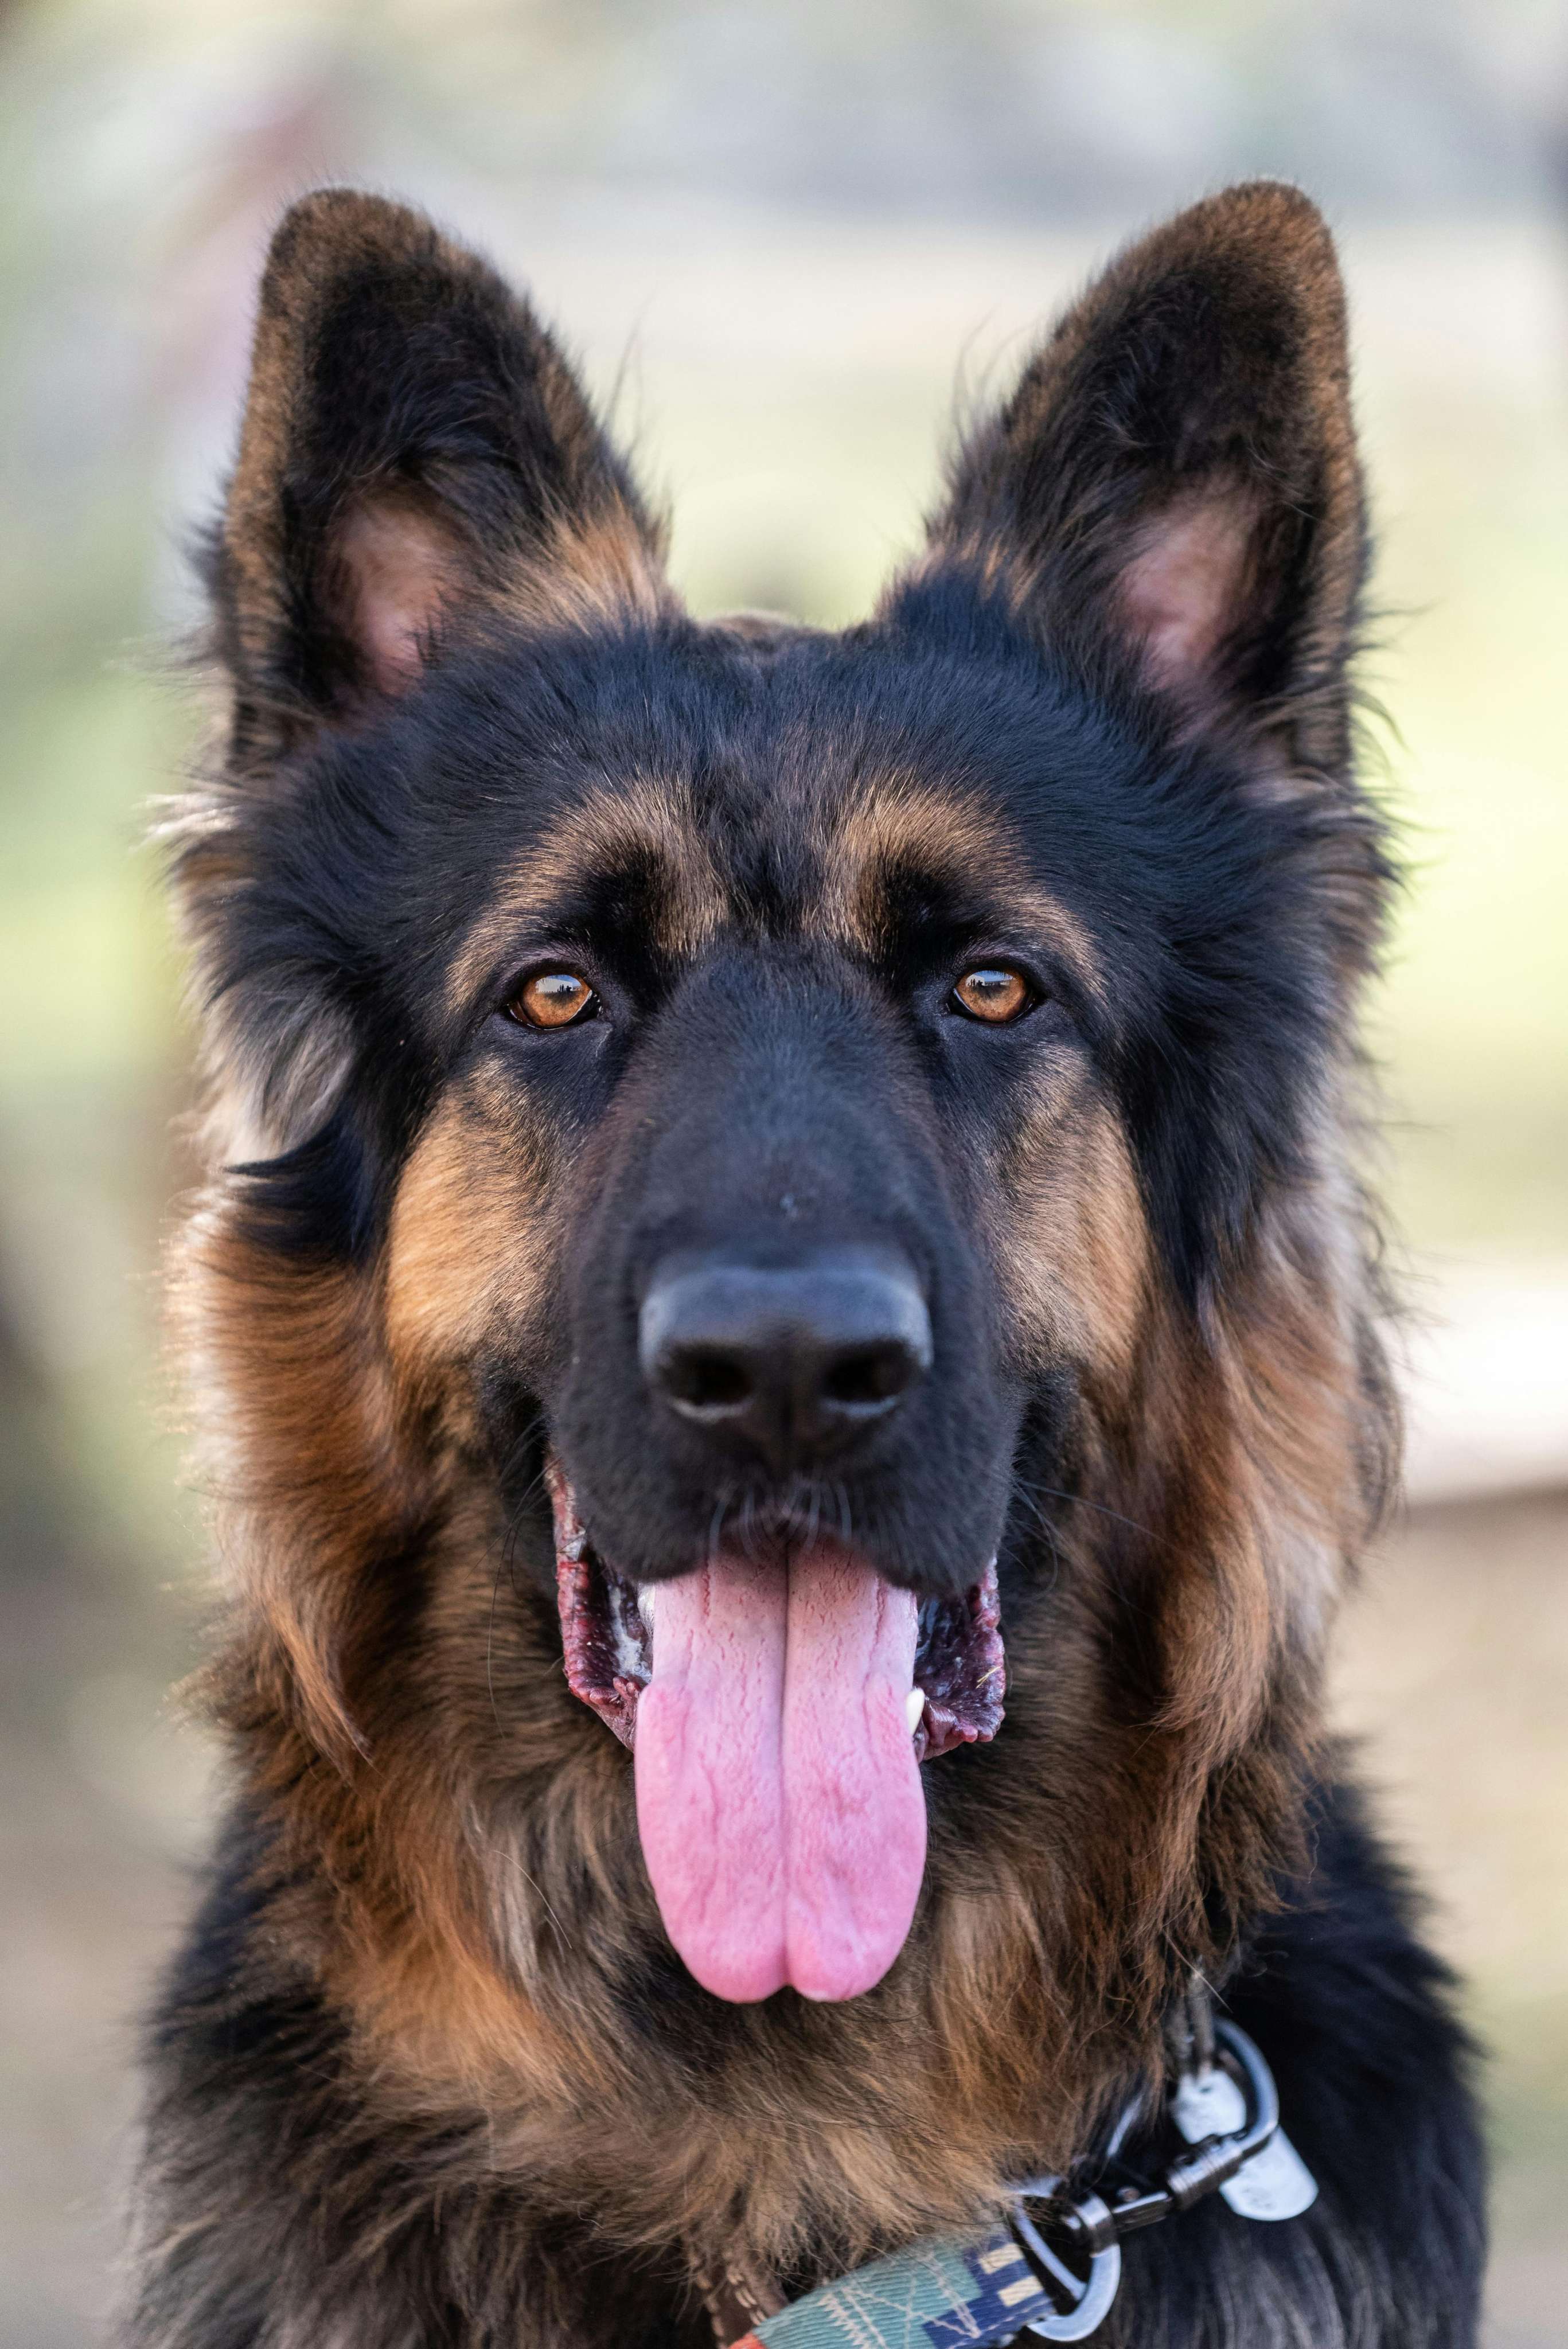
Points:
[1083,2302]
[1081,2268]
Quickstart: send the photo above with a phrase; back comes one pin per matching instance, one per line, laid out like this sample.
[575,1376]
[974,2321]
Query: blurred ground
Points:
[1453,1665]
[775,236]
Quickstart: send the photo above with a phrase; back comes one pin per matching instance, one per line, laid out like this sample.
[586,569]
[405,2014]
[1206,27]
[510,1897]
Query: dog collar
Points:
[1050,2264]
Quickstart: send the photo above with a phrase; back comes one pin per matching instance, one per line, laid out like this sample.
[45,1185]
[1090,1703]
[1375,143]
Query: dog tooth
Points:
[914,1705]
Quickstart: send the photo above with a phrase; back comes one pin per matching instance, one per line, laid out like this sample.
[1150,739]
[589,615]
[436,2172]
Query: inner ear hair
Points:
[395,566]
[1184,593]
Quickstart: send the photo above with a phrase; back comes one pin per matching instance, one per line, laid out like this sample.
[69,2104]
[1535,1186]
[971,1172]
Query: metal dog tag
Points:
[1276,2183]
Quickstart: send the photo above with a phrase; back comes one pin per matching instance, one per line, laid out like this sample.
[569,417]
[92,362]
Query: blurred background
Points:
[784,235]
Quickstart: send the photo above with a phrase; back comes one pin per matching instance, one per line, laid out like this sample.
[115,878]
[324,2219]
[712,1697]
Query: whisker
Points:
[489,1641]
[1054,1493]
[845,1514]
[530,1879]
[716,1523]
[506,1562]
[1047,1528]
[748,1525]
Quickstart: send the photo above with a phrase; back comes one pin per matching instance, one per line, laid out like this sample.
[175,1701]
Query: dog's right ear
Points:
[1174,479]
[415,452]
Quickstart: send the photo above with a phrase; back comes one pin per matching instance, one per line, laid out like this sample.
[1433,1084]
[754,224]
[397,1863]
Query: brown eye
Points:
[993,993]
[553,998]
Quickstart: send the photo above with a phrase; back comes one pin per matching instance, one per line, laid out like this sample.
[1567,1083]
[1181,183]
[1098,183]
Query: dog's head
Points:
[798,1145]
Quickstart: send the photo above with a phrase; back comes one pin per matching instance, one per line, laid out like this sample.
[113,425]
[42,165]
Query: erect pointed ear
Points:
[1178,468]
[414,450]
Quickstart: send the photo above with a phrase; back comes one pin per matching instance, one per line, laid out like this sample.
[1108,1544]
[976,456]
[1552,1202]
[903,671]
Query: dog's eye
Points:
[553,998]
[993,993]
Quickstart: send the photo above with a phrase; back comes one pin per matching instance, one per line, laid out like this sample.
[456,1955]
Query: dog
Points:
[785,1326]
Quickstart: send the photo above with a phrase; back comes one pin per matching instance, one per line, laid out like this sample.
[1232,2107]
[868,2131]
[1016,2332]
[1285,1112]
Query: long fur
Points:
[428,2069]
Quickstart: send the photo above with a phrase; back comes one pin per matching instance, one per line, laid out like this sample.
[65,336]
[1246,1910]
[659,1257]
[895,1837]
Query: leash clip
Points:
[1072,2239]
[1082,2301]
[1073,2246]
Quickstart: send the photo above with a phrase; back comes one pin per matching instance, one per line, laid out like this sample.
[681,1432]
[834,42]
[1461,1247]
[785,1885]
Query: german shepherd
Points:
[784,1201]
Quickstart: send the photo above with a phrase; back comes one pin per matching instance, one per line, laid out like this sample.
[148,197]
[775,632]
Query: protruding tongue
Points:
[778,1796]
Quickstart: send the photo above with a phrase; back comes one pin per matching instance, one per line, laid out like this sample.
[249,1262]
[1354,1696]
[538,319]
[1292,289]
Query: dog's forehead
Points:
[821,854]
[771,818]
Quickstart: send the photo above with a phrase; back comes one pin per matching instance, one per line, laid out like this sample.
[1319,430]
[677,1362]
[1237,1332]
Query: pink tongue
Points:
[778,1796]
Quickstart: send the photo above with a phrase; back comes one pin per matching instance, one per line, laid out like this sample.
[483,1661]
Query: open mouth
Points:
[778,1712]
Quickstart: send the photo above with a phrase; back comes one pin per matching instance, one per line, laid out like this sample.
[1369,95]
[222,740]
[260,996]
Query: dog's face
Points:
[787,1114]
[744,1025]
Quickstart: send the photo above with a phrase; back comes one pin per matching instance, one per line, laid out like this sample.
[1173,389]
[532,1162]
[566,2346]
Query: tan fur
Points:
[898,821]
[310,1471]
[590,570]
[472,1244]
[639,816]
[1072,1247]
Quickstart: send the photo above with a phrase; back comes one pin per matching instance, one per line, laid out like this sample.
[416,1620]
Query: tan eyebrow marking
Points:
[907,821]
[643,816]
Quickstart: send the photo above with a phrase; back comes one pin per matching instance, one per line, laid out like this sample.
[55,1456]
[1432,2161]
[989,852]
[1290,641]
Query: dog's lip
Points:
[606,1640]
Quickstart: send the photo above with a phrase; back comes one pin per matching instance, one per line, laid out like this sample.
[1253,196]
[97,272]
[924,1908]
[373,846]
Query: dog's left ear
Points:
[1178,468]
[416,452]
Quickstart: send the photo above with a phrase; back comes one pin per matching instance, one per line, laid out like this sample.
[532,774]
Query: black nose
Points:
[793,1360]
